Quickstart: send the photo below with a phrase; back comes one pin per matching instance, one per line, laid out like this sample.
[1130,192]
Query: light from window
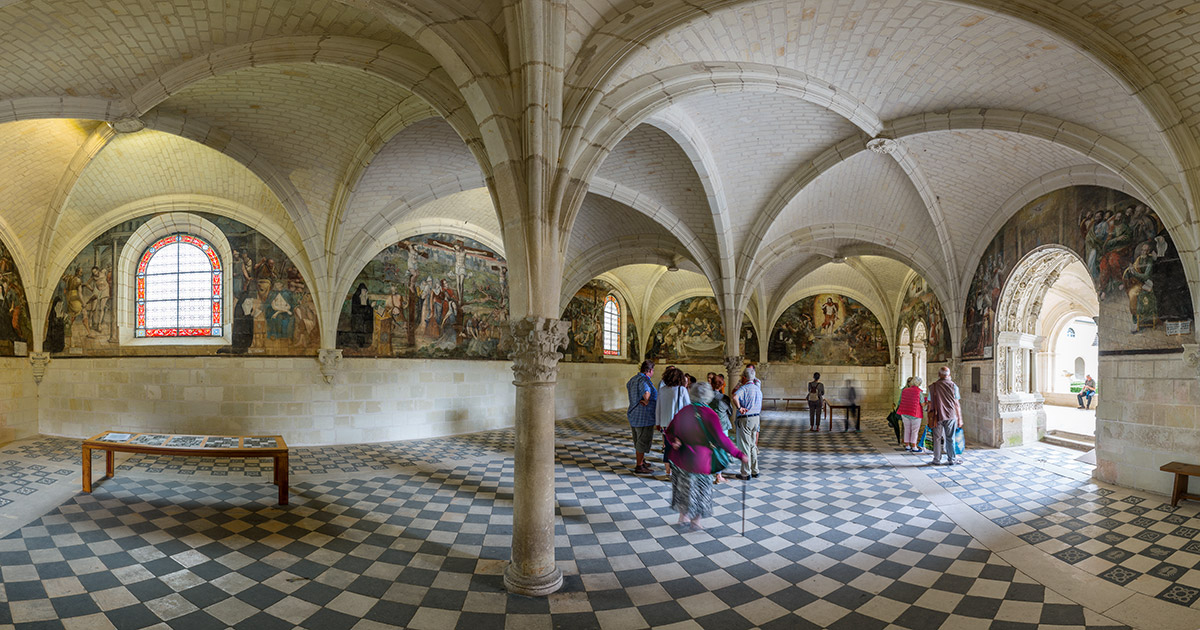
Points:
[1070,332]
[178,292]
[612,327]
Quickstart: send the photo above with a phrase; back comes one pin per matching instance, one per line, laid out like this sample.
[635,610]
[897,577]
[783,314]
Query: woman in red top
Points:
[912,411]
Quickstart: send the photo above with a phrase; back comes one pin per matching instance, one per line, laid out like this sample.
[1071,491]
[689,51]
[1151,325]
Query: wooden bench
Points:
[111,442]
[1182,472]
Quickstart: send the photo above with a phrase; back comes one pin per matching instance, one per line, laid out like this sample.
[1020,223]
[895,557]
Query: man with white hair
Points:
[945,416]
[748,400]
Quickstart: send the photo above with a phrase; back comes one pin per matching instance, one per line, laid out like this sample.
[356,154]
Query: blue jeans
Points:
[1088,395]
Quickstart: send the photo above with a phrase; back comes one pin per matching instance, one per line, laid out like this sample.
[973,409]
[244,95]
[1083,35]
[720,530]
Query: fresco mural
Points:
[15,329]
[431,296]
[631,334]
[273,309]
[828,329]
[1144,299]
[688,332]
[921,305]
[748,341]
[585,311]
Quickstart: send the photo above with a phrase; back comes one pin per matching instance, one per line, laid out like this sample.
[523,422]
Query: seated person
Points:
[1089,390]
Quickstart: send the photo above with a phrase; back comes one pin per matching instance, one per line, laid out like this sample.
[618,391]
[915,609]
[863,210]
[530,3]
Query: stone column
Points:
[535,356]
[733,369]
[905,365]
[920,366]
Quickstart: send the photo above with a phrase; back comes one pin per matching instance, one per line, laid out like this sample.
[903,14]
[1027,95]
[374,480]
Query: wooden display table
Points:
[833,404]
[110,442]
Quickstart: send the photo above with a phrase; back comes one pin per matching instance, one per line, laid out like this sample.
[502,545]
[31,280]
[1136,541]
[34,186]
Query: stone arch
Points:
[159,226]
[597,131]
[174,204]
[610,52]
[1021,413]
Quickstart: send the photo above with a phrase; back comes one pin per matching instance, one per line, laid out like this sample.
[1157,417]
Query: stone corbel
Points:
[533,348]
[331,362]
[1191,356]
[762,370]
[39,361]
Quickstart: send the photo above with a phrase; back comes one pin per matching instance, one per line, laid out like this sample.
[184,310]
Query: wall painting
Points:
[273,309]
[688,332]
[438,296]
[748,341]
[585,311]
[921,305]
[1144,299]
[828,329]
[15,329]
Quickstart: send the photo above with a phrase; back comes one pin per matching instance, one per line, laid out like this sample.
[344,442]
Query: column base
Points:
[537,586]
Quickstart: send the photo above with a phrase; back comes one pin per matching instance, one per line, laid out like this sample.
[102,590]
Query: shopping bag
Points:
[960,441]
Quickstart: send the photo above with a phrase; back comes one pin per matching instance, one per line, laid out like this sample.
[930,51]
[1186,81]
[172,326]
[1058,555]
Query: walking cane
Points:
[744,482]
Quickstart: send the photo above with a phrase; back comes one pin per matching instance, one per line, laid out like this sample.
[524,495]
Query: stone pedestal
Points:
[535,343]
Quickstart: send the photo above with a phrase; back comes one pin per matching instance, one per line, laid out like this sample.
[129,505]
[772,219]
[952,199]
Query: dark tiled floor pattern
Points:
[834,539]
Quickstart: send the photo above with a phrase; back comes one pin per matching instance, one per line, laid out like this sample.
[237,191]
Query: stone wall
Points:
[874,384]
[18,399]
[981,418]
[371,400]
[1146,418]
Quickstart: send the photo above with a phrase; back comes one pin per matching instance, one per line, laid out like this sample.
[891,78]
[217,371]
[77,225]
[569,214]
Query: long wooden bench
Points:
[1182,472]
[112,442]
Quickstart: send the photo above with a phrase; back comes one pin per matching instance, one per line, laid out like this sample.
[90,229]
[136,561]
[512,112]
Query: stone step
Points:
[1079,437]
[1075,441]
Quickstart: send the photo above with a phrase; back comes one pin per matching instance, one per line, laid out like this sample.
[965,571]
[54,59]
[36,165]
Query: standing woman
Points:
[723,408]
[911,410]
[816,401]
[672,397]
[694,435]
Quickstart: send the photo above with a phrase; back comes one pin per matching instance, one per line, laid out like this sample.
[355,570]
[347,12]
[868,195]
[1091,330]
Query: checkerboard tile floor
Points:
[417,537]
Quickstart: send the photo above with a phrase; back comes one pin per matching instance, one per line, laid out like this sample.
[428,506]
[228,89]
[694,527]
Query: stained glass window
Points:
[178,289]
[612,327]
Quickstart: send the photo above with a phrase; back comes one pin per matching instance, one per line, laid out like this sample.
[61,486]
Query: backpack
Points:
[813,396]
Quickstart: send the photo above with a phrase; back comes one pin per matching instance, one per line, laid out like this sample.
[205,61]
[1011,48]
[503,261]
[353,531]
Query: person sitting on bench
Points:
[1089,390]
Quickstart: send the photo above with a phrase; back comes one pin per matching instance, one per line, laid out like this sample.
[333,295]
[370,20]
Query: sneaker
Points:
[908,448]
[935,462]
[918,450]
[754,475]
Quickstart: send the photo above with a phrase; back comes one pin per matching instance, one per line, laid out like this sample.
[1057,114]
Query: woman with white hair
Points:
[911,410]
[696,441]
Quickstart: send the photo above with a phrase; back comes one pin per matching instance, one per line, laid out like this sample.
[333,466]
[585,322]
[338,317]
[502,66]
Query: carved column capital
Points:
[39,361]
[331,362]
[534,343]
[762,370]
[733,364]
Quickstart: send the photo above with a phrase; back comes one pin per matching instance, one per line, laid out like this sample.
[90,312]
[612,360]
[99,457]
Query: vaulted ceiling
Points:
[732,134]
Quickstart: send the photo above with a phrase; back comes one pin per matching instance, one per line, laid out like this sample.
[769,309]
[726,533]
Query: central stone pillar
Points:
[733,369]
[535,356]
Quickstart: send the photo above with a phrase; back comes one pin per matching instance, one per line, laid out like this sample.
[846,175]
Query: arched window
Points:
[178,289]
[1071,332]
[612,327]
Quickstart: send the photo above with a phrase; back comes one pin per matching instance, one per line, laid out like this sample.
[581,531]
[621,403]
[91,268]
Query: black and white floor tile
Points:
[416,535]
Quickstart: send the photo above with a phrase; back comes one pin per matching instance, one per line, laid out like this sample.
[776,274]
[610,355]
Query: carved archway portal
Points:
[1022,417]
